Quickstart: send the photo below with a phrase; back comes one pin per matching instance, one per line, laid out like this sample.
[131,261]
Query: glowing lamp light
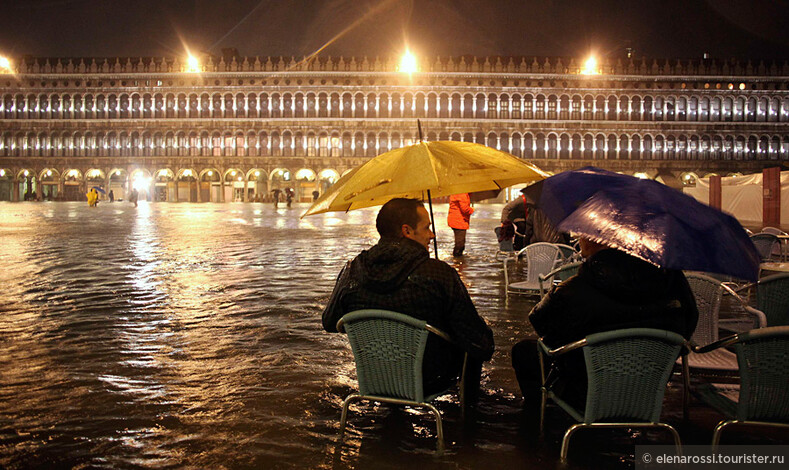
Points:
[210,173]
[590,67]
[27,172]
[49,172]
[257,173]
[5,64]
[2,173]
[642,176]
[408,63]
[192,64]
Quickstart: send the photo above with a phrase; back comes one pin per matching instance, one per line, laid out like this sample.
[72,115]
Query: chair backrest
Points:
[765,243]
[628,371]
[763,357]
[568,253]
[562,273]
[773,230]
[772,298]
[708,293]
[388,348]
[541,258]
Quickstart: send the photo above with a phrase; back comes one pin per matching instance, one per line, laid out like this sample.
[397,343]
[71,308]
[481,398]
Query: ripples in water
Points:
[189,335]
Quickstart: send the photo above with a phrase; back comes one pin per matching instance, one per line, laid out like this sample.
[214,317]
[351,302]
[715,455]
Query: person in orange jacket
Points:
[460,211]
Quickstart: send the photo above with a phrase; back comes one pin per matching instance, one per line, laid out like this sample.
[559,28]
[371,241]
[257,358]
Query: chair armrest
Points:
[439,333]
[561,349]
[727,341]
[761,319]
[735,292]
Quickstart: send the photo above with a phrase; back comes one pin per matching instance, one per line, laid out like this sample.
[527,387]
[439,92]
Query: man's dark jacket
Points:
[612,291]
[399,275]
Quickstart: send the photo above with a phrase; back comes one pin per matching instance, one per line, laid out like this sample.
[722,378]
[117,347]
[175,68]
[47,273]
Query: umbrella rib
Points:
[430,160]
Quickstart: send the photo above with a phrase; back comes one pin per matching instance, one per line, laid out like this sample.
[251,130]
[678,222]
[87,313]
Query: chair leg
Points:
[716,434]
[566,441]
[674,434]
[543,404]
[685,388]
[344,414]
[439,428]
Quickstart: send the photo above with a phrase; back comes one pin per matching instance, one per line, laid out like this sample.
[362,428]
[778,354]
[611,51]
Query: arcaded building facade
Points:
[237,128]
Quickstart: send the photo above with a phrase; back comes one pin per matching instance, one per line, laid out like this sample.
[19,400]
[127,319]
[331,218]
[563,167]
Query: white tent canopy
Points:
[741,196]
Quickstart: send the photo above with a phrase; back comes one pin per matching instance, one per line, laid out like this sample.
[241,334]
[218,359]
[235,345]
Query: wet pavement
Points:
[189,335]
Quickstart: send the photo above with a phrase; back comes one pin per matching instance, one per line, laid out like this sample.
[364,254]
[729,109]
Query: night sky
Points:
[749,29]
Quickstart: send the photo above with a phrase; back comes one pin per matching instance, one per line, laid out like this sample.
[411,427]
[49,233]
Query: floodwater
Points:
[189,335]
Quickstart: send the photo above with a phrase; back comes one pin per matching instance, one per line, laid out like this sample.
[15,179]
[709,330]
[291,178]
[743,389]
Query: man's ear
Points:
[405,230]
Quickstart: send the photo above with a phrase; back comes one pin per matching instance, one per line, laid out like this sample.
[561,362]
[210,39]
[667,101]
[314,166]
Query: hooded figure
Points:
[398,274]
[93,197]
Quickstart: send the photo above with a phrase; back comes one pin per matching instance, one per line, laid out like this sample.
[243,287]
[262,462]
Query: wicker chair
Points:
[720,365]
[772,298]
[763,357]
[779,233]
[560,274]
[541,258]
[627,372]
[388,348]
[766,244]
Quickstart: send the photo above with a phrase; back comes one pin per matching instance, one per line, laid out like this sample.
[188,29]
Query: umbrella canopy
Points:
[99,190]
[423,170]
[649,220]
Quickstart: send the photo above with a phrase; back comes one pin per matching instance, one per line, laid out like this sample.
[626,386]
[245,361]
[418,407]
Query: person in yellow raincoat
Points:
[93,197]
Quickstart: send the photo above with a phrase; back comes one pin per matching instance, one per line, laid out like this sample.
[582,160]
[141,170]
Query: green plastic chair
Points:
[388,348]
[772,298]
[627,372]
[763,357]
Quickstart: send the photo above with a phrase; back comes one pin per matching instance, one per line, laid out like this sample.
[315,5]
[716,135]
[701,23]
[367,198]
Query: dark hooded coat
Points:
[611,291]
[399,275]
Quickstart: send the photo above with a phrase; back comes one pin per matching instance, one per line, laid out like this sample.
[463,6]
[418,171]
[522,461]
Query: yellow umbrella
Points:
[425,170]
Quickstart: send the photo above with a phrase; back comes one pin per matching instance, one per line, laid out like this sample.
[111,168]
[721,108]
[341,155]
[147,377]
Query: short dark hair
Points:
[394,214]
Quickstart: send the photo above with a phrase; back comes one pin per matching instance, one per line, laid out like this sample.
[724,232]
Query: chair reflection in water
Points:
[627,372]
[388,348]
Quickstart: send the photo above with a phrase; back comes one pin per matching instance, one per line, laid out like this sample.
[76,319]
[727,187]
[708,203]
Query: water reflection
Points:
[189,335]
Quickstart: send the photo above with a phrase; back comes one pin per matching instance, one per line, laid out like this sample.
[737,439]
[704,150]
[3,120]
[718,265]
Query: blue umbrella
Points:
[99,190]
[649,220]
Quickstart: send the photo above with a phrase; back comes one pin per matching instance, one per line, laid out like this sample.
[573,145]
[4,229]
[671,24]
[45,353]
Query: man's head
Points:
[405,218]
[589,247]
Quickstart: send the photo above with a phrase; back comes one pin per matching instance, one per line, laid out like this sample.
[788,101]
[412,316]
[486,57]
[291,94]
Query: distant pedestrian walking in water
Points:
[276,193]
[315,195]
[460,211]
[133,197]
[93,197]
[111,195]
[289,196]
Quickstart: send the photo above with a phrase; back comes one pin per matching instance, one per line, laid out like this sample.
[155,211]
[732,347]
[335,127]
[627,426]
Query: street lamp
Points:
[192,64]
[5,65]
[408,63]
[590,67]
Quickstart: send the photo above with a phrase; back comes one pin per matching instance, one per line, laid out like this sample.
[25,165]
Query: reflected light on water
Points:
[189,335]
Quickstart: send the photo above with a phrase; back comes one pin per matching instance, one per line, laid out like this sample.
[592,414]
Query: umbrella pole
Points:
[433,221]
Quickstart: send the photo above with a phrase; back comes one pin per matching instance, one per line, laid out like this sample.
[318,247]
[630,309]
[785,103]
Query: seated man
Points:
[611,291]
[398,274]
